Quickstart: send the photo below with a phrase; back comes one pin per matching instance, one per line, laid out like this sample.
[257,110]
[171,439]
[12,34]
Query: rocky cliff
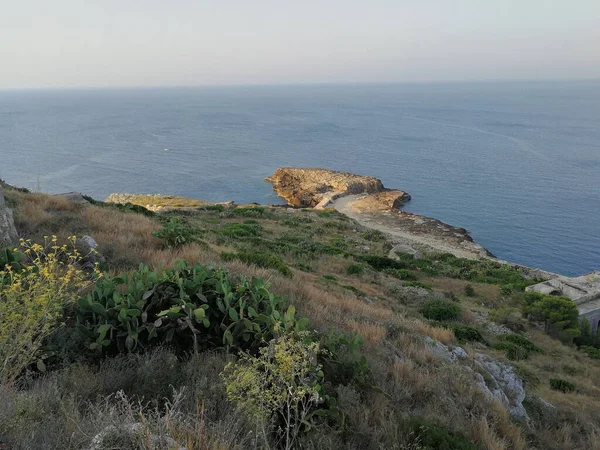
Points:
[8,233]
[305,188]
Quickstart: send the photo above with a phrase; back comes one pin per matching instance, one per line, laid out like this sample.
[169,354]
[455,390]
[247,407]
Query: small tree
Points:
[281,384]
[557,313]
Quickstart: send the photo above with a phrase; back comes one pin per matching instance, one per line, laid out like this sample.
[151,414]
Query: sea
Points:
[515,163]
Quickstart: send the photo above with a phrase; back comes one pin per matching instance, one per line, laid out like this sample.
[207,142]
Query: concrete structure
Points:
[583,290]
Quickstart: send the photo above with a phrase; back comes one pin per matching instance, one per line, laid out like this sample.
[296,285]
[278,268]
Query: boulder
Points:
[8,233]
[87,248]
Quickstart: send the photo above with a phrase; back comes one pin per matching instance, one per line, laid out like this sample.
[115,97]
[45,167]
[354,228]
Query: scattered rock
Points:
[8,233]
[501,383]
[445,352]
[87,248]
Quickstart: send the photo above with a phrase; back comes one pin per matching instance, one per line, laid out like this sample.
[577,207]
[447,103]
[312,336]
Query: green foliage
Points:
[355,269]
[557,313]
[381,263]
[324,213]
[188,307]
[401,274]
[174,234]
[330,277]
[510,317]
[32,300]
[440,310]
[10,257]
[417,284]
[592,352]
[241,230]
[260,259]
[480,271]
[469,291]
[429,435]
[466,333]
[373,236]
[283,383]
[217,208]
[558,384]
[517,347]
[254,211]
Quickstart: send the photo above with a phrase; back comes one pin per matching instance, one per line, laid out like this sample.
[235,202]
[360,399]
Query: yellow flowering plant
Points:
[33,297]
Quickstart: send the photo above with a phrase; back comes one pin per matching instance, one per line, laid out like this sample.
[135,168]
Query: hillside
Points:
[402,351]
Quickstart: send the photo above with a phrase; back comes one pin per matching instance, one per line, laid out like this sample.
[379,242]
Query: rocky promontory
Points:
[366,200]
[306,188]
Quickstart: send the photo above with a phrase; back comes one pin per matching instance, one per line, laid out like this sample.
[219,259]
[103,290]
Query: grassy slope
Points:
[317,246]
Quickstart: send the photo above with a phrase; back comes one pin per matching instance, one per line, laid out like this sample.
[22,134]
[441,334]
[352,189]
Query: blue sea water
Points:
[515,163]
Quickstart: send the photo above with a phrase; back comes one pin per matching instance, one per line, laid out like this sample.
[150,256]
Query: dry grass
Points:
[417,381]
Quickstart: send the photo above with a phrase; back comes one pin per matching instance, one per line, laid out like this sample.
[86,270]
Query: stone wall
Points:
[8,233]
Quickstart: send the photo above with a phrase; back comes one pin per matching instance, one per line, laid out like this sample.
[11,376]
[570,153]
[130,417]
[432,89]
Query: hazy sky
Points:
[58,43]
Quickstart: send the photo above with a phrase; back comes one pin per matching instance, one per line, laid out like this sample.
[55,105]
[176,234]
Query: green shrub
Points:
[217,208]
[592,352]
[254,211]
[188,307]
[516,347]
[561,385]
[509,317]
[241,230]
[381,263]
[354,269]
[557,313]
[260,259]
[428,435]
[401,274]
[330,277]
[174,234]
[124,207]
[469,291]
[440,310]
[324,213]
[466,333]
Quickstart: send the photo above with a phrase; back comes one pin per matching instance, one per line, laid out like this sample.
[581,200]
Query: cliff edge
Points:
[8,233]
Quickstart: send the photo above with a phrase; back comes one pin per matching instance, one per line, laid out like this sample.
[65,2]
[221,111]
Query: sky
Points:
[94,43]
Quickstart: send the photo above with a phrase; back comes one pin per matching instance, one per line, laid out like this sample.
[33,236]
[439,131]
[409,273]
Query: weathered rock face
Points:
[308,187]
[381,201]
[8,233]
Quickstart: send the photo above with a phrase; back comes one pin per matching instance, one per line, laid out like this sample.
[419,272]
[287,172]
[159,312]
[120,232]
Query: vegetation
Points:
[562,385]
[143,348]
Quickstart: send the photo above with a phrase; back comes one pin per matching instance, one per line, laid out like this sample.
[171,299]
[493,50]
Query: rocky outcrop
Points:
[8,233]
[306,188]
[381,201]
[163,203]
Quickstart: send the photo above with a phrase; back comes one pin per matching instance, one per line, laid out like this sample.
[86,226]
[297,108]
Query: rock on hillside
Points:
[307,188]
[8,233]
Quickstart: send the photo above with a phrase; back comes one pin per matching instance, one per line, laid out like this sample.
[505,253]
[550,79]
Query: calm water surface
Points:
[517,164]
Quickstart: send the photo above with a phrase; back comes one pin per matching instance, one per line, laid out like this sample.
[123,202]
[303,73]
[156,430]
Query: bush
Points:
[260,259]
[469,291]
[592,352]
[32,300]
[417,284]
[374,236]
[381,262]
[465,333]
[254,211]
[517,347]
[241,230]
[174,234]
[429,435]
[188,308]
[440,310]
[401,274]
[561,385]
[281,387]
[510,317]
[354,269]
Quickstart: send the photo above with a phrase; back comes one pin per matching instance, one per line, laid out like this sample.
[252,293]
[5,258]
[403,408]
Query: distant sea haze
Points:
[517,164]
